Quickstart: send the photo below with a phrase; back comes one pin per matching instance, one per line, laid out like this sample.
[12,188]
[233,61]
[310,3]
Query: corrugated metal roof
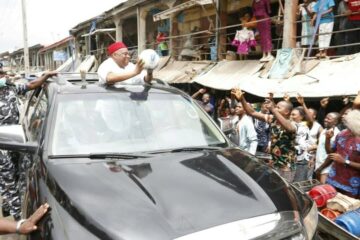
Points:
[182,71]
[101,17]
[337,77]
[55,45]
[175,9]
[228,74]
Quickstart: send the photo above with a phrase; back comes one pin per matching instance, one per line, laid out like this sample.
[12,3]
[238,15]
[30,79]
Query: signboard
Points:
[60,56]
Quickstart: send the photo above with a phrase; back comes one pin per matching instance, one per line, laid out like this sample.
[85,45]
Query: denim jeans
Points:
[301,173]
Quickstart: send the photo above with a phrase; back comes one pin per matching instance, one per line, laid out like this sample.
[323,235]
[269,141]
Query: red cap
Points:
[115,46]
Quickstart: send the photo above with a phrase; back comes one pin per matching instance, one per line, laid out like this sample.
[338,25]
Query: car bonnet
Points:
[167,195]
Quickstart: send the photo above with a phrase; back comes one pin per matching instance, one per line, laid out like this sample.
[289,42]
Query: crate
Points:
[306,186]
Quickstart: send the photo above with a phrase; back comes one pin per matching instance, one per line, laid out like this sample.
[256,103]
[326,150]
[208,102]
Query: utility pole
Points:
[289,36]
[26,48]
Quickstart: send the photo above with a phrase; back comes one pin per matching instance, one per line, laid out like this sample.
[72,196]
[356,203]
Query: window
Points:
[38,115]
[95,123]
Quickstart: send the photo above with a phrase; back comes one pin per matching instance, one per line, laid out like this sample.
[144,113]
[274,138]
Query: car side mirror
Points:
[12,133]
[12,138]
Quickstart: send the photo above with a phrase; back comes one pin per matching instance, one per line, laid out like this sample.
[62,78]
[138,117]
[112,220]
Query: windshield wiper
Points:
[185,149]
[102,156]
[116,155]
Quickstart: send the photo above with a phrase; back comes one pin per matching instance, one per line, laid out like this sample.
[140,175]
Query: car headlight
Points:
[272,226]
[311,221]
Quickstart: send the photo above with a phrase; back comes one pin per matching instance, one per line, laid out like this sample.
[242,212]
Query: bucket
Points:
[350,221]
[330,214]
[321,193]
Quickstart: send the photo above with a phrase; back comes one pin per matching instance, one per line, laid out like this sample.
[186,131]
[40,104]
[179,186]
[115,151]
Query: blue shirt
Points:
[325,5]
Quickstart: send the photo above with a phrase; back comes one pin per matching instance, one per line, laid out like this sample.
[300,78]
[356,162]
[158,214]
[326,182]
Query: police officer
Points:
[9,114]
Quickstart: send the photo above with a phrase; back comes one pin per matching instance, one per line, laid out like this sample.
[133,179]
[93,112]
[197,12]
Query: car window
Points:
[94,123]
[37,117]
[32,97]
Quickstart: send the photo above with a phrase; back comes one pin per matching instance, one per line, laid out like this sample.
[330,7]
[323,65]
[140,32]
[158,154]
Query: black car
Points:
[146,162]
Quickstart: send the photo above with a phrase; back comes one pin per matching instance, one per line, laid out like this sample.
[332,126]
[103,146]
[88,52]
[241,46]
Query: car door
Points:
[34,126]
[35,116]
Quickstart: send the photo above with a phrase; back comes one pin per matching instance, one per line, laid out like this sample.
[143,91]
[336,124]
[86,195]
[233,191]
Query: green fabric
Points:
[163,46]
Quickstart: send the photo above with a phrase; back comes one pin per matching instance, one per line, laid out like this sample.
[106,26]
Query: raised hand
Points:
[271,96]
[300,99]
[202,90]
[237,93]
[324,102]
[356,103]
[139,66]
[286,97]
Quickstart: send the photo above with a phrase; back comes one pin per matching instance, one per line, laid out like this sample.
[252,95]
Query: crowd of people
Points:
[322,24]
[304,143]
[342,16]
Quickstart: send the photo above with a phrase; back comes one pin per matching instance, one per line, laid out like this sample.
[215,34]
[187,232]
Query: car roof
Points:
[72,83]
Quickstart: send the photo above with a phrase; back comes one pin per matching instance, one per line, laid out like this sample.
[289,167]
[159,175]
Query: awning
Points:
[182,71]
[162,63]
[167,13]
[228,74]
[337,77]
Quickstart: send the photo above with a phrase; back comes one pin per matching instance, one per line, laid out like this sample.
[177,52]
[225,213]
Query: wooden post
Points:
[221,20]
[141,28]
[289,35]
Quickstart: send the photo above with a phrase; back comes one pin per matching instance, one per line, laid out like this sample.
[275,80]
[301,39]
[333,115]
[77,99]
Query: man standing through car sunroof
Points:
[9,161]
[118,69]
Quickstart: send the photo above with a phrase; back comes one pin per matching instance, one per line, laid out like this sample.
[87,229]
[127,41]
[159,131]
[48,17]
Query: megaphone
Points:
[150,58]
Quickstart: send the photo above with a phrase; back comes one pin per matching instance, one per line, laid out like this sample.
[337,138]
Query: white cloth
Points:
[302,141]
[314,132]
[321,154]
[247,135]
[244,35]
[110,66]
[324,40]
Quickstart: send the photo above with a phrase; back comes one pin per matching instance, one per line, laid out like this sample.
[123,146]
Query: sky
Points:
[48,21]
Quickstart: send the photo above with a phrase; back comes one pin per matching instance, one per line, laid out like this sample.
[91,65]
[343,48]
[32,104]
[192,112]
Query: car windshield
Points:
[119,122]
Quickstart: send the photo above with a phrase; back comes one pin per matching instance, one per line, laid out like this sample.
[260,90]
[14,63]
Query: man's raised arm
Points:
[239,96]
[39,81]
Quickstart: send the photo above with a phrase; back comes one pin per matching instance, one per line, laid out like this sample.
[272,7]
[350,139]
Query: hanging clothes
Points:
[244,40]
